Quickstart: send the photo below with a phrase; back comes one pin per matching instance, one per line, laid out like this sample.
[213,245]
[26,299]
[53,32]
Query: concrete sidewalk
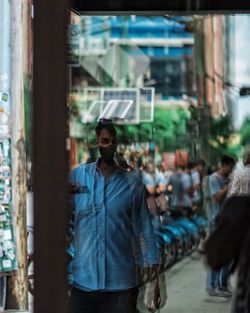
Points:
[186,289]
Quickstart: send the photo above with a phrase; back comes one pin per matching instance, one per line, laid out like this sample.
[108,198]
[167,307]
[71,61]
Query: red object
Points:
[181,157]
[169,160]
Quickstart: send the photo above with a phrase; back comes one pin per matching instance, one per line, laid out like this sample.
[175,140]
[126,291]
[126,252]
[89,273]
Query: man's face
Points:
[104,139]
[201,169]
[105,143]
[227,169]
[151,168]
[164,166]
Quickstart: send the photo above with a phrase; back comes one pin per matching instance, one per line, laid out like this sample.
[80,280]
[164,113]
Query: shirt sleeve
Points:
[205,188]
[144,231]
[148,180]
[235,185]
[195,178]
[160,179]
[187,182]
[214,185]
[71,205]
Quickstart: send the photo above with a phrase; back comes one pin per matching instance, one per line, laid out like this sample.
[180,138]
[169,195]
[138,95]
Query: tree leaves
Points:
[245,132]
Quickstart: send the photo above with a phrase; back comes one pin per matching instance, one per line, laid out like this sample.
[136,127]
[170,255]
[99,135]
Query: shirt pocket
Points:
[83,199]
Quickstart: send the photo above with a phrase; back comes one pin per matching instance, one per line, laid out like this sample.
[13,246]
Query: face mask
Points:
[107,153]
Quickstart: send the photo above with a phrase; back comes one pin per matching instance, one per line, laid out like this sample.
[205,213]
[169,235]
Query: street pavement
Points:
[186,289]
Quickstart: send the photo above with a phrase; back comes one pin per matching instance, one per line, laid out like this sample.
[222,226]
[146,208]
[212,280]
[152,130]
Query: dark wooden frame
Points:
[50,156]
[179,7]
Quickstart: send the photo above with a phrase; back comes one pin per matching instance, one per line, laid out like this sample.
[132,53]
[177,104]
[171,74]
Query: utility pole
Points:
[18,284]
[204,113]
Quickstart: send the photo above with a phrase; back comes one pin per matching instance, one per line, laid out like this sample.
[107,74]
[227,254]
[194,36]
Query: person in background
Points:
[217,281]
[148,178]
[240,184]
[233,227]
[206,208]
[176,187]
[111,221]
[160,179]
[207,200]
[182,189]
[197,173]
[155,290]
[167,171]
[188,193]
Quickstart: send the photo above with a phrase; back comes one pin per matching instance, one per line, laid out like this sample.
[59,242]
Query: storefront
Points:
[50,128]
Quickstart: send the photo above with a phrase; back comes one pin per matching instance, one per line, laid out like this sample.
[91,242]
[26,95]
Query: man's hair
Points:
[190,165]
[246,156]
[108,125]
[201,162]
[227,160]
[180,167]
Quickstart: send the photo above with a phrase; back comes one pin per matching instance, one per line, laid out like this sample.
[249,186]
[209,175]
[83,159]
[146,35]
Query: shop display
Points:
[7,244]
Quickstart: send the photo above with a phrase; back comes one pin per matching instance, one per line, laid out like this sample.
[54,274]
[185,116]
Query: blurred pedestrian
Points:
[188,191]
[240,184]
[176,186]
[217,281]
[197,173]
[148,178]
[182,191]
[233,227]
[207,199]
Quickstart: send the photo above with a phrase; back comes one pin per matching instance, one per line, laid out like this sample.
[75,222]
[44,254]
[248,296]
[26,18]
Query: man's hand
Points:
[152,272]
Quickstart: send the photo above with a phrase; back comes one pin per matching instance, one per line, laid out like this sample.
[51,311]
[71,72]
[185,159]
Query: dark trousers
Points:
[103,302]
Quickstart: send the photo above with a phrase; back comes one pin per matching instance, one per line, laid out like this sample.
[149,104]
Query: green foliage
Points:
[245,132]
[220,139]
[221,129]
[168,130]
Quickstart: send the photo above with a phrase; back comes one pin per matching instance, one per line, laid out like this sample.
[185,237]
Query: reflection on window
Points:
[137,68]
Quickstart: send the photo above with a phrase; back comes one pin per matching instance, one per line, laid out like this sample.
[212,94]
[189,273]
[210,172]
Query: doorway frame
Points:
[50,114]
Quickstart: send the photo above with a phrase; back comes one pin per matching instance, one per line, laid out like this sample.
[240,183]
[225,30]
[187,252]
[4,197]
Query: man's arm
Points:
[161,183]
[235,185]
[217,193]
[149,183]
[144,228]
[220,195]
[71,226]
[188,186]
[196,181]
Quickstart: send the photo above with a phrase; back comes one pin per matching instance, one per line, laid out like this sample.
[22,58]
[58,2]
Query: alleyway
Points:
[186,290]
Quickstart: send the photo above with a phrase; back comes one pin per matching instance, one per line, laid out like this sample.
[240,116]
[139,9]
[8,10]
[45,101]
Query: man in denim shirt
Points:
[113,233]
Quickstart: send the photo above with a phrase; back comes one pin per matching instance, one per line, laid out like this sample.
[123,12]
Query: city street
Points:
[186,289]
[124,143]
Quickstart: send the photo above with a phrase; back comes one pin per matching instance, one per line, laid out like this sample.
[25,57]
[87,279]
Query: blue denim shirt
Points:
[216,184]
[113,232]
